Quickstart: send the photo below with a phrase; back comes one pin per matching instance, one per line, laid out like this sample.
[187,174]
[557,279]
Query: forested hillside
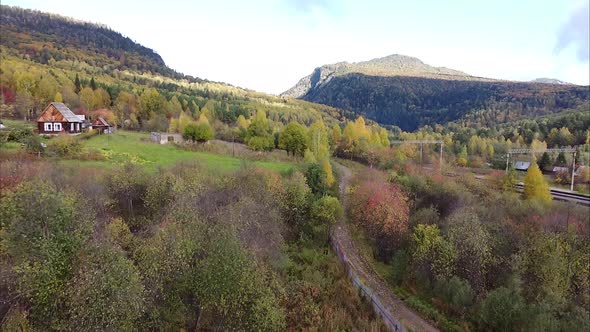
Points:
[42,37]
[93,69]
[410,94]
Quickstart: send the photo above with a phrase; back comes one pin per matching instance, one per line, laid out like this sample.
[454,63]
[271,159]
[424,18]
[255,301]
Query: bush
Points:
[106,293]
[89,134]
[399,266]
[502,310]
[64,146]
[326,210]
[563,178]
[457,292]
[198,132]
[19,132]
[33,143]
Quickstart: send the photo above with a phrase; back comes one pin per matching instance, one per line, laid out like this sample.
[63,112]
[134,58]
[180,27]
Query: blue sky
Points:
[267,45]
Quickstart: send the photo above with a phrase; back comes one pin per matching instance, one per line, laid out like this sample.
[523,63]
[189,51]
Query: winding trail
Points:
[387,305]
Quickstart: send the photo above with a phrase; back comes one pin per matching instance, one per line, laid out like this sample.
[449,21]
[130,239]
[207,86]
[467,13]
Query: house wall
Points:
[165,138]
[64,127]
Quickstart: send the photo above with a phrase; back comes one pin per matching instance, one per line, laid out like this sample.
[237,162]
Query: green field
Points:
[124,146]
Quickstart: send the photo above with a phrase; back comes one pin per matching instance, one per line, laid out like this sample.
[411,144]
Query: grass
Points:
[15,123]
[124,146]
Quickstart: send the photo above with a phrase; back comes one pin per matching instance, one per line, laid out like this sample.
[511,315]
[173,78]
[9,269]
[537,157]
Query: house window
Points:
[48,127]
[57,127]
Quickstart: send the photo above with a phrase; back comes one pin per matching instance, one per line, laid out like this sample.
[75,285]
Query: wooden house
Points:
[101,125]
[57,118]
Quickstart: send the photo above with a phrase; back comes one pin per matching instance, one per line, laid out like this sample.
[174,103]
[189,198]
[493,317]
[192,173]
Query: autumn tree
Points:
[535,186]
[327,168]
[126,109]
[433,256]
[472,242]
[106,292]
[101,98]
[293,139]
[259,135]
[179,124]
[42,231]
[545,269]
[87,98]
[382,209]
[318,140]
[151,103]
[545,162]
[336,136]
[198,132]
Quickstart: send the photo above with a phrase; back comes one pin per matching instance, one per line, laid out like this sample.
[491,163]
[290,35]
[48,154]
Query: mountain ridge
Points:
[387,66]
[403,91]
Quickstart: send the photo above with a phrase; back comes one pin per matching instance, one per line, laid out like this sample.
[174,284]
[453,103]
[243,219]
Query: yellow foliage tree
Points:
[535,186]
[203,119]
[242,122]
[329,174]
[336,135]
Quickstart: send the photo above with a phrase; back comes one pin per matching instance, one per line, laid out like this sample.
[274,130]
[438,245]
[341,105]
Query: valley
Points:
[135,197]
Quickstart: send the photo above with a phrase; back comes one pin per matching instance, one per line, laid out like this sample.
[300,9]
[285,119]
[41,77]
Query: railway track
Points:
[557,194]
[563,195]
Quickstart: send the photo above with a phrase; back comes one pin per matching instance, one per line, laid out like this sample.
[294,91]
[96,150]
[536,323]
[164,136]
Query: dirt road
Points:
[388,306]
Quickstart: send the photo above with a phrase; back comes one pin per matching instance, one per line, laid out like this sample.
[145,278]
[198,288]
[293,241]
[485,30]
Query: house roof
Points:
[522,165]
[558,169]
[68,115]
[103,122]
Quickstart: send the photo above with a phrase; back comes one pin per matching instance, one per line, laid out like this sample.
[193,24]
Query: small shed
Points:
[102,126]
[57,118]
[559,169]
[165,138]
[522,165]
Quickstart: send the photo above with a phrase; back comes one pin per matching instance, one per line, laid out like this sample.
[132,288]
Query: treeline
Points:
[461,261]
[412,102]
[141,102]
[180,249]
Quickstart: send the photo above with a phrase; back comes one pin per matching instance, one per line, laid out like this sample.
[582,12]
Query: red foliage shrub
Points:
[382,209]
[8,95]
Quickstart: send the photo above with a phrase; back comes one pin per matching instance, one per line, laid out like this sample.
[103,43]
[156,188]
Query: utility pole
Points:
[421,154]
[573,170]
[441,157]
[507,161]
[533,151]
[422,142]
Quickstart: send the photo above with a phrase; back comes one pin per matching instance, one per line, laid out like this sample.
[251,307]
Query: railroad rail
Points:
[562,195]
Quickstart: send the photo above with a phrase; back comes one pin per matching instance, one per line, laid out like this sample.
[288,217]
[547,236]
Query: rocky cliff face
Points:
[392,65]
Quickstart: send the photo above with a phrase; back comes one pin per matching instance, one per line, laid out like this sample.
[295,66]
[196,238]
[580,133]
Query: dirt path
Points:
[391,308]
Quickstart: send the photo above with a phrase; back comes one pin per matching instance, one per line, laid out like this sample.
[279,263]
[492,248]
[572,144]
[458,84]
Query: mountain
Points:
[545,80]
[405,92]
[44,54]
[389,66]
[43,36]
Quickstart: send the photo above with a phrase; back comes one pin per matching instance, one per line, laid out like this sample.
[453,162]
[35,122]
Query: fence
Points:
[392,323]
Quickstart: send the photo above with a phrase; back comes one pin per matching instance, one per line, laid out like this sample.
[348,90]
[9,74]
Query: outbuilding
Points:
[102,126]
[522,165]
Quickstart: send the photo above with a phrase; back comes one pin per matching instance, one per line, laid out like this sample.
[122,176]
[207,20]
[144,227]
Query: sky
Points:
[268,45]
